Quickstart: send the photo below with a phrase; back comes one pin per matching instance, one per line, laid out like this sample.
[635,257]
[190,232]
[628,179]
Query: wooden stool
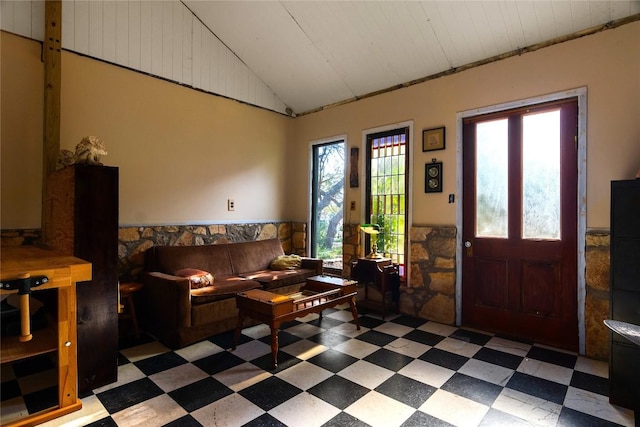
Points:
[126,297]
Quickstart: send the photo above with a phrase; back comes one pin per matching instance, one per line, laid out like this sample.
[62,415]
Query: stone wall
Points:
[351,249]
[21,237]
[431,291]
[133,241]
[597,294]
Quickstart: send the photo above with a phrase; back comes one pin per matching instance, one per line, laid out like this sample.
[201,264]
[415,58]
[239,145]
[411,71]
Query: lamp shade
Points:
[370,228]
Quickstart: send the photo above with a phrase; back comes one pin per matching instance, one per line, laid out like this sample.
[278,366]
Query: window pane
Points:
[328,196]
[492,178]
[541,175]
[387,199]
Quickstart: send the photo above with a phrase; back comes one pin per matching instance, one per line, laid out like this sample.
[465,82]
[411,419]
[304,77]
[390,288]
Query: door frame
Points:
[581,94]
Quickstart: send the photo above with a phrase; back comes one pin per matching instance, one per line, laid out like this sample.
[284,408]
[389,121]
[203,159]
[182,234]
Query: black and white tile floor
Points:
[402,372]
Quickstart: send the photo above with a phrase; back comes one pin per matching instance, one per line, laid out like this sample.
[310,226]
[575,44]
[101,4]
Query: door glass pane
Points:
[541,175]
[491,178]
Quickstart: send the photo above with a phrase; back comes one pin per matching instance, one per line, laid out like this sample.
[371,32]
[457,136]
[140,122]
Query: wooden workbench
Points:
[63,272]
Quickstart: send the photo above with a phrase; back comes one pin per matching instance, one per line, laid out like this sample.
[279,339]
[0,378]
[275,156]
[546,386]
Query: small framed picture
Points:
[433,139]
[433,177]
[353,171]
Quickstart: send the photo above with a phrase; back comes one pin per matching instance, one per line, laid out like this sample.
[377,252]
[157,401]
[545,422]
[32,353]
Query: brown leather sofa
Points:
[177,314]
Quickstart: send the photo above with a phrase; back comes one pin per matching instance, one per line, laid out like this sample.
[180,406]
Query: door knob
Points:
[469,250]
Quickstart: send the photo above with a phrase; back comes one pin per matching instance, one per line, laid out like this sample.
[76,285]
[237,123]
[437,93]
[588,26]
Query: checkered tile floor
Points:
[402,372]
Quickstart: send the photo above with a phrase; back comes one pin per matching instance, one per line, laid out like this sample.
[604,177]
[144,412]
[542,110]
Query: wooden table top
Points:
[37,261]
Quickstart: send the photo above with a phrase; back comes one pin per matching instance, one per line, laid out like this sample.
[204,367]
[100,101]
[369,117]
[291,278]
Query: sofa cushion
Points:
[224,287]
[271,279]
[168,259]
[286,262]
[253,256]
[197,278]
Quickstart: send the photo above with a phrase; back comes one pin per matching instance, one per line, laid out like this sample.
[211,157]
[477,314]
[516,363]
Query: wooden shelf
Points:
[44,341]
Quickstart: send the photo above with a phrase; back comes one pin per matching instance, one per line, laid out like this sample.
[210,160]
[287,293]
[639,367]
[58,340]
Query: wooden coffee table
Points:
[318,293]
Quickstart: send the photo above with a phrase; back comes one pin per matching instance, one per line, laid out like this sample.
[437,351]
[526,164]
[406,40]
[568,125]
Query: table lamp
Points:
[373,230]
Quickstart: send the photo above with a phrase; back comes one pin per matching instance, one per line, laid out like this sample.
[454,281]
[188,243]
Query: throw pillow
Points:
[286,262]
[197,278]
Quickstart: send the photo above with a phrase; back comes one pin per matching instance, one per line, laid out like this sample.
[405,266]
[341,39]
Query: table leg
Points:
[236,334]
[354,312]
[274,343]
[132,312]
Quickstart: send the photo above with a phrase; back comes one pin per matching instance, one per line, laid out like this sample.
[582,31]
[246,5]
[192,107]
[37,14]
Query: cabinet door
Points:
[625,268]
[625,208]
[625,378]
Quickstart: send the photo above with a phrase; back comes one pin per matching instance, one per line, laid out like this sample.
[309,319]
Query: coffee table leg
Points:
[274,343]
[236,335]
[354,312]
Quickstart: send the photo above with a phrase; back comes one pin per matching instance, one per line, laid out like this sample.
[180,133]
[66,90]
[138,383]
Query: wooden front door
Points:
[519,274]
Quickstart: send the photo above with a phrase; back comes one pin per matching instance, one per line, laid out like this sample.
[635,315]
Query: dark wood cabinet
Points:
[81,219]
[624,374]
[379,274]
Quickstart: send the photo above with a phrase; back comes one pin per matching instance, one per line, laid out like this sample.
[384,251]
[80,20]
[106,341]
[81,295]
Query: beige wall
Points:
[608,64]
[21,121]
[181,153]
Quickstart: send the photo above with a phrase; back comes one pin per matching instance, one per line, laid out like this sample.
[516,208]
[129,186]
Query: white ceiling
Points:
[317,53]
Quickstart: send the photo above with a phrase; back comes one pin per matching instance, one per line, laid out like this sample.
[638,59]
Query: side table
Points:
[383,275]
[127,309]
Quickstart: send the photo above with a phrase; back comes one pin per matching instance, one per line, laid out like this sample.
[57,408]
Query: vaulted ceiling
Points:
[313,54]
[300,56]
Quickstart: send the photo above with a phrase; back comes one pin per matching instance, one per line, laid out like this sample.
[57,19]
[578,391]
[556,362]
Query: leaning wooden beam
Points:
[52,56]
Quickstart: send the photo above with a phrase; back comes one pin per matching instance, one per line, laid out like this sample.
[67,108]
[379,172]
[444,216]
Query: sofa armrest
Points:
[166,302]
[312,263]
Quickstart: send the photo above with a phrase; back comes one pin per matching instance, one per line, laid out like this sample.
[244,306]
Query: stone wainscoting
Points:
[351,247]
[429,293]
[597,294]
[133,241]
[27,236]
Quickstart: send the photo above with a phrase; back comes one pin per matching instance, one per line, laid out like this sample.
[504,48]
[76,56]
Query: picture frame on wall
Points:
[353,171]
[433,139]
[433,177]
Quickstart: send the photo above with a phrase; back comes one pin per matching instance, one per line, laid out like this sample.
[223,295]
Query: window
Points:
[327,202]
[387,160]
[539,168]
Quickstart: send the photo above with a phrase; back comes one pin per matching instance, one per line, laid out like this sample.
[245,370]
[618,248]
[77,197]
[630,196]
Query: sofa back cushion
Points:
[253,256]
[170,259]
